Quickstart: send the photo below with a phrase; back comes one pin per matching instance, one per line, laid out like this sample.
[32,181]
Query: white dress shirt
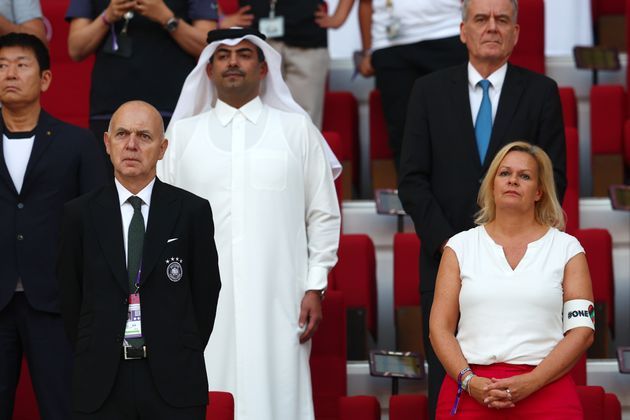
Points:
[17,152]
[126,209]
[475,92]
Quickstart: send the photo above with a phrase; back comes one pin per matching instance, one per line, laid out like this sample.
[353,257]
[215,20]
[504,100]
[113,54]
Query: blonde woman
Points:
[513,302]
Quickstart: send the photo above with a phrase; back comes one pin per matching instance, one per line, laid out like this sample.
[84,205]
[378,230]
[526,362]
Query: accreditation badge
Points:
[134,325]
[272,27]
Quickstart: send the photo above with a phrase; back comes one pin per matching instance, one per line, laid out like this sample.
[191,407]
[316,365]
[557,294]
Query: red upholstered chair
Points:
[68,95]
[592,399]
[571,202]
[626,146]
[360,407]
[355,276]
[407,314]
[608,115]
[612,407]
[597,244]
[381,163]
[334,141]
[608,110]
[328,358]
[569,106]
[597,404]
[220,406]
[408,407]
[25,407]
[341,114]
[578,373]
[530,50]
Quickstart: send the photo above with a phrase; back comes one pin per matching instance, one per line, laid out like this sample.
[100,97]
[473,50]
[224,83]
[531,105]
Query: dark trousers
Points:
[436,370]
[39,336]
[99,126]
[398,67]
[134,396]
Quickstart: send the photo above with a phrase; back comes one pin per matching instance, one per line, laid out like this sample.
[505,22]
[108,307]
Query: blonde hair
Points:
[547,210]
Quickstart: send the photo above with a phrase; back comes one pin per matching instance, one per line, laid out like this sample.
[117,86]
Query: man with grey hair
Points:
[458,119]
[139,284]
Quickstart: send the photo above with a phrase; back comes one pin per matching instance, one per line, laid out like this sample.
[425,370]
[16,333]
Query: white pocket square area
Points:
[171,240]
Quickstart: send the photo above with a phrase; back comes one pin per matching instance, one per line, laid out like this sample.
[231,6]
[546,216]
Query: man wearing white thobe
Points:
[265,169]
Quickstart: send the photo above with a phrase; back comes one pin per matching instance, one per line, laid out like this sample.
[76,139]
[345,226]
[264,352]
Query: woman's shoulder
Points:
[563,242]
[467,236]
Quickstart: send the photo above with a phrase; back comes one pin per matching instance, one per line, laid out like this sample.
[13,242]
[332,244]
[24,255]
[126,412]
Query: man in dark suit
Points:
[455,126]
[138,307]
[44,162]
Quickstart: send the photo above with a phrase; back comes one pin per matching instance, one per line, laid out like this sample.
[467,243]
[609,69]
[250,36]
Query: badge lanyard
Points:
[272,26]
[133,328]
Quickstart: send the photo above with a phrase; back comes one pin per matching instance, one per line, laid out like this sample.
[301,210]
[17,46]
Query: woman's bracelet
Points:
[104,19]
[466,382]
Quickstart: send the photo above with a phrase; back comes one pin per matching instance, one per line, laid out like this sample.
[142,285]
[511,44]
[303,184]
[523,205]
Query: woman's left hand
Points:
[502,393]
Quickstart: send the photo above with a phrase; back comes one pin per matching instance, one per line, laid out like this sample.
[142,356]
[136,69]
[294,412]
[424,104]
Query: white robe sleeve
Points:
[322,218]
[167,164]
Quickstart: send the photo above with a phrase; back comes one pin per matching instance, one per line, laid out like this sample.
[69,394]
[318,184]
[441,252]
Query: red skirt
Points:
[556,401]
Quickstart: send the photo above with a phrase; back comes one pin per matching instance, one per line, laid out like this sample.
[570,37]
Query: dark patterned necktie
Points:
[135,241]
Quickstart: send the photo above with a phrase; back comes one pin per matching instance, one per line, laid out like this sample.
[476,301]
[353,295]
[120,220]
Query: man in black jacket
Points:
[44,162]
[138,307]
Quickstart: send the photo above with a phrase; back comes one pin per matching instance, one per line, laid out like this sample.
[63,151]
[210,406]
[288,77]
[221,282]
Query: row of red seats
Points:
[596,405]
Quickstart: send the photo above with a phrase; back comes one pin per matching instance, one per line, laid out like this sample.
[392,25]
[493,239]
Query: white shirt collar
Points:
[496,79]
[144,194]
[251,111]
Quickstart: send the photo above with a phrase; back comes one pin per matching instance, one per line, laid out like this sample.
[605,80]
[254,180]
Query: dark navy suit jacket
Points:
[65,162]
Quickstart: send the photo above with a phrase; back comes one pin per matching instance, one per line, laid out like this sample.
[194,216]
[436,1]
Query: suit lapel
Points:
[163,214]
[107,221]
[44,136]
[461,101]
[4,170]
[508,103]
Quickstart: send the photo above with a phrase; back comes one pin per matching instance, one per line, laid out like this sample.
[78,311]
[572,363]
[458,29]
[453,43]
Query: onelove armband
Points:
[578,313]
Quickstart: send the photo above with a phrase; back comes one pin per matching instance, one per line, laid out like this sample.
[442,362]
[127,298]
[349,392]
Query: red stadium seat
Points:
[608,112]
[408,407]
[68,95]
[25,407]
[612,407]
[597,404]
[578,373]
[608,115]
[328,358]
[529,52]
[406,270]
[381,158]
[360,407]
[571,202]
[355,276]
[407,313]
[592,399]
[569,106]
[220,406]
[341,114]
[626,146]
[597,244]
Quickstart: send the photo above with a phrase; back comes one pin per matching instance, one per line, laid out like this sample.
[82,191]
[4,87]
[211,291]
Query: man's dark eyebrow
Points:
[224,49]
